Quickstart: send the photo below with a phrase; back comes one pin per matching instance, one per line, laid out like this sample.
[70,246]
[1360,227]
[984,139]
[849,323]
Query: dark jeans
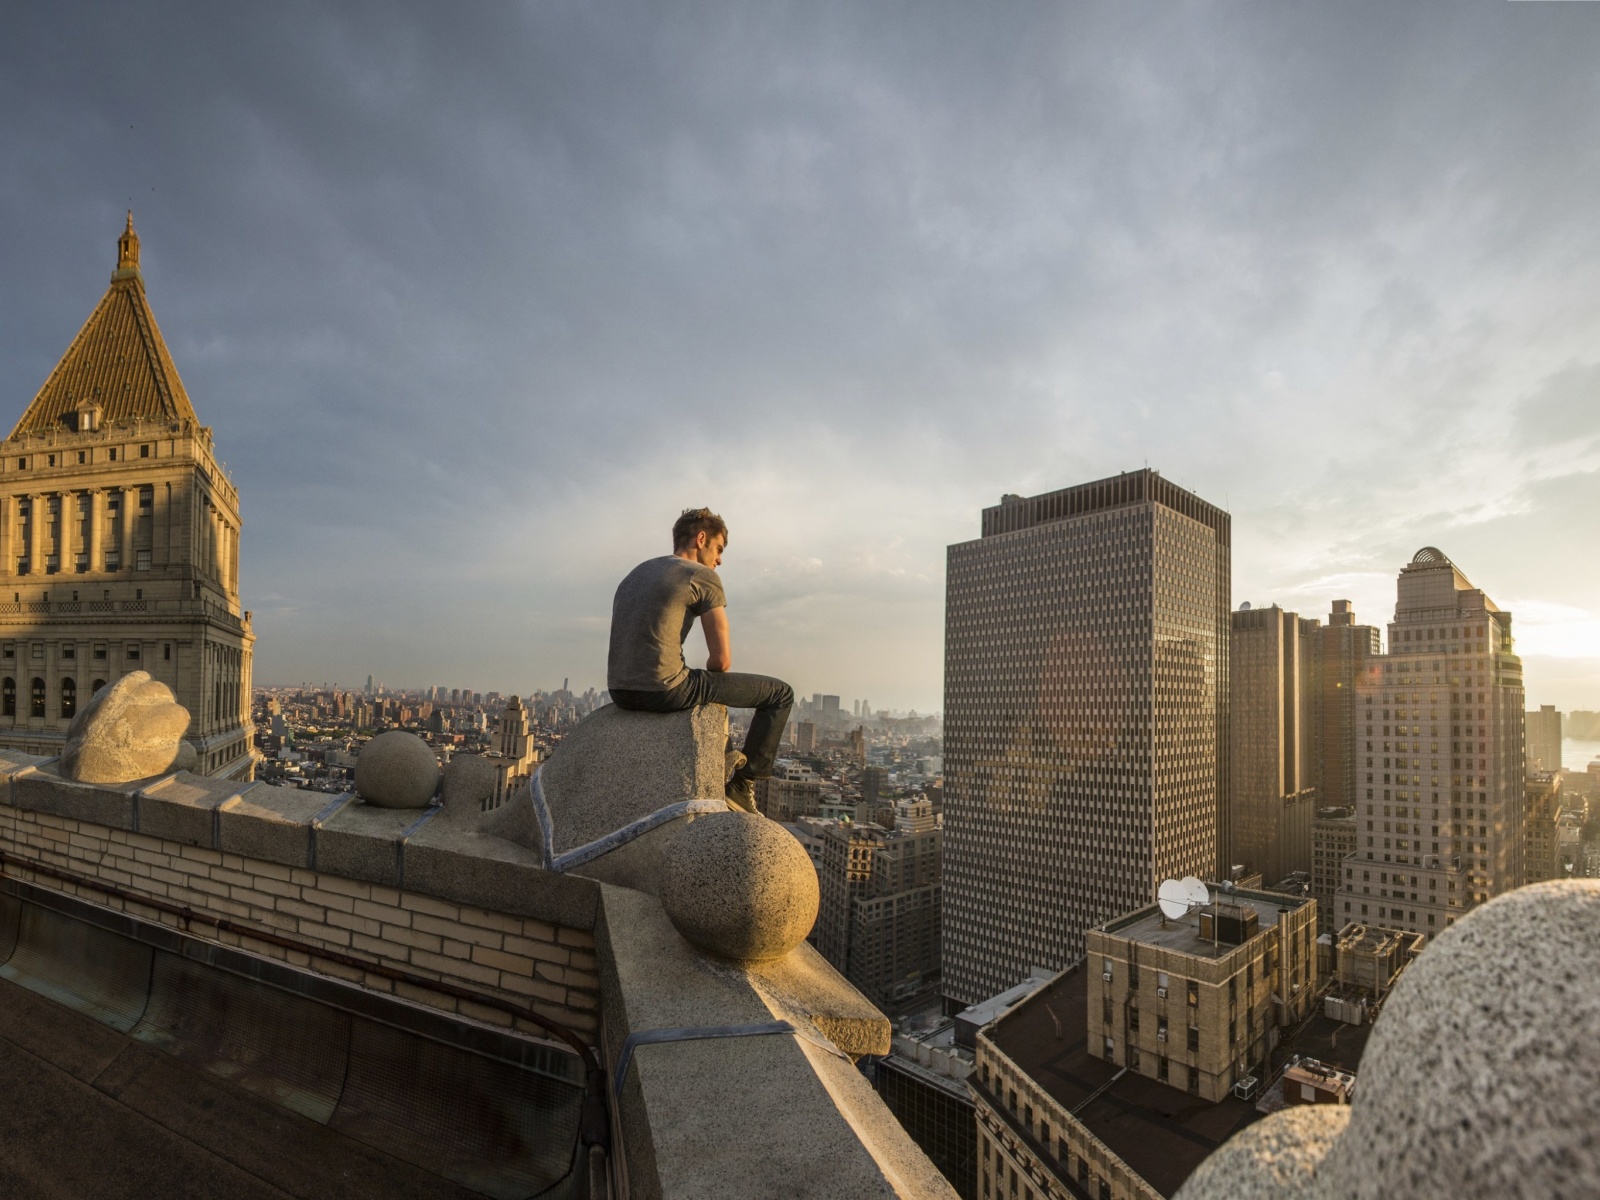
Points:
[771,698]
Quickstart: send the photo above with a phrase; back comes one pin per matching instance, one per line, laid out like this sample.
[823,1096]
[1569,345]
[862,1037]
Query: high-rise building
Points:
[1544,739]
[119,541]
[1274,689]
[1439,821]
[1343,650]
[805,737]
[1086,718]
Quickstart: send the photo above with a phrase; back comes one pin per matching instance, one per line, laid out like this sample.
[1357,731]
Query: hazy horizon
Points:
[477,299]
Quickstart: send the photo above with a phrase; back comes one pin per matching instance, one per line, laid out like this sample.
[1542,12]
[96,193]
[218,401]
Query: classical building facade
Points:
[119,541]
[1440,820]
[1086,719]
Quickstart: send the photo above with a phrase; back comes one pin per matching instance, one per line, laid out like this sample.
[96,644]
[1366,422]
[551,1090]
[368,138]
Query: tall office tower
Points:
[1086,718]
[1333,839]
[1439,822]
[1541,819]
[119,541]
[1274,677]
[1544,739]
[1344,648]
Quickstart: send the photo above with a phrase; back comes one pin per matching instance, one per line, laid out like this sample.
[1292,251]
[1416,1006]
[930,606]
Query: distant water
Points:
[1576,756]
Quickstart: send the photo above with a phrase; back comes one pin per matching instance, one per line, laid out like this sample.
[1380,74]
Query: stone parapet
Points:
[428,894]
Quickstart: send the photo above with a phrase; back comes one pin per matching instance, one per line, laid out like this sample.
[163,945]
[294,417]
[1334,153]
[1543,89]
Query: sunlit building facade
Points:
[1440,820]
[1086,724]
[119,541]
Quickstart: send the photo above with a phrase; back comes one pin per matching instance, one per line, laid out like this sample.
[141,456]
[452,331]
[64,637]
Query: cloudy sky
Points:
[477,296]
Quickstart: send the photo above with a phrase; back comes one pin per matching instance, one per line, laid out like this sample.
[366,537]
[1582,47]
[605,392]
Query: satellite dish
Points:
[1173,898]
[1198,893]
[1245,607]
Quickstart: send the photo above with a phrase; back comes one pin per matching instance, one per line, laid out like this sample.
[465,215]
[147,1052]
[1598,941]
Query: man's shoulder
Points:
[674,570]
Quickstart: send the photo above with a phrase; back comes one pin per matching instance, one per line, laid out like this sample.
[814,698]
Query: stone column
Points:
[36,519]
[8,517]
[97,520]
[130,498]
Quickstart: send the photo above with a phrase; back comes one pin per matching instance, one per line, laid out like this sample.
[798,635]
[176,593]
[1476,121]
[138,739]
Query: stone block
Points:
[15,762]
[442,859]
[272,823]
[362,841]
[132,729]
[676,1096]
[183,808]
[619,766]
[44,791]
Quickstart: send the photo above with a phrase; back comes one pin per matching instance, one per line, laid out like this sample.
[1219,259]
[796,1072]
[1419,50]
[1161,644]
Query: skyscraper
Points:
[1274,689]
[119,541]
[1086,724]
[1440,819]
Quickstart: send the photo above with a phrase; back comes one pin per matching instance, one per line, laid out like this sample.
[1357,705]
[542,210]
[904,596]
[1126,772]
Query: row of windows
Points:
[84,457]
[69,651]
[38,701]
[81,564]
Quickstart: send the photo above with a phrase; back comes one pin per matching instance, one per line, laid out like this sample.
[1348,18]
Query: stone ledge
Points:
[335,834]
[697,1118]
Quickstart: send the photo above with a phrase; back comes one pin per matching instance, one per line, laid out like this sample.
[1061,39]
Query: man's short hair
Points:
[694,522]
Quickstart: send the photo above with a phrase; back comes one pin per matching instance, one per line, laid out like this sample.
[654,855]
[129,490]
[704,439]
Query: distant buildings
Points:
[881,892]
[1333,839]
[1544,739]
[119,541]
[1086,694]
[1343,650]
[1439,823]
[1542,856]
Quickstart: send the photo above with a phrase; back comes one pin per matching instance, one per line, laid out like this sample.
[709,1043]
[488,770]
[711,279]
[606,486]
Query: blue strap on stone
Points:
[617,837]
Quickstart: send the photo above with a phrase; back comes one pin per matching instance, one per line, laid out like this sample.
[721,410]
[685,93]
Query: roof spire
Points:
[127,254]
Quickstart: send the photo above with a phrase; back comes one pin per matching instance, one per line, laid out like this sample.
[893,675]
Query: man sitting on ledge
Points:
[655,607]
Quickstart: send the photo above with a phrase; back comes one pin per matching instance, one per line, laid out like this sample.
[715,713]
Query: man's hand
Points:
[719,644]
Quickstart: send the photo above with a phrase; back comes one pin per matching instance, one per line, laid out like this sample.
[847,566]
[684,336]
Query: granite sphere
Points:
[739,886]
[397,770]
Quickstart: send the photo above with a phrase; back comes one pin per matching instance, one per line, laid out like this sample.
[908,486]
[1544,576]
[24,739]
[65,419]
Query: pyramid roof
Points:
[119,361]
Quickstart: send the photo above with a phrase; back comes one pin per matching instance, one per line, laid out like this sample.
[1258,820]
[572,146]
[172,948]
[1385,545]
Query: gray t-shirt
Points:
[654,610]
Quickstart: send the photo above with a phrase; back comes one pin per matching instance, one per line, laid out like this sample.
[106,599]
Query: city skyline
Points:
[445,286]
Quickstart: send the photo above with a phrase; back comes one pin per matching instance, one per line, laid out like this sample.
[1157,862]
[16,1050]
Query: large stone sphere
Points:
[740,886]
[397,770]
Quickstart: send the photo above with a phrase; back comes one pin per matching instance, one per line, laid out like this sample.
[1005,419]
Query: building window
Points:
[166,651]
[69,698]
[1163,1070]
[36,698]
[133,652]
[23,566]
[113,560]
[144,451]
[147,497]
[81,562]
[100,652]
[69,651]
[1194,1037]
[8,697]
[83,456]
[141,560]
[113,454]
[22,464]
[98,684]
[52,564]
[1194,1081]
[1194,993]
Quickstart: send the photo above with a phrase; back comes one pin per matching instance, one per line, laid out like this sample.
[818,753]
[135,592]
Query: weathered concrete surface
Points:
[616,768]
[1272,1159]
[740,886]
[794,1118]
[397,770]
[132,729]
[1479,1078]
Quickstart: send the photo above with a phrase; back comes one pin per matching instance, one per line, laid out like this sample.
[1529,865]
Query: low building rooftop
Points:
[1161,1132]
[1149,927]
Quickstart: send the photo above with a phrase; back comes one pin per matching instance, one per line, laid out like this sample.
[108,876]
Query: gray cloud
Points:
[477,296]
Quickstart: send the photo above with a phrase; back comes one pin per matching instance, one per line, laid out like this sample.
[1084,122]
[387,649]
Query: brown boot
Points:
[741,793]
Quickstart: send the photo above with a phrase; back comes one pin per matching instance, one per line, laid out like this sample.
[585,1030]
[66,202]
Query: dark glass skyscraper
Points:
[1086,722]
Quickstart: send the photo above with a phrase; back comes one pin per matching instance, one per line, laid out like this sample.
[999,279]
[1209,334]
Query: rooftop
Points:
[1162,1132]
[1148,927]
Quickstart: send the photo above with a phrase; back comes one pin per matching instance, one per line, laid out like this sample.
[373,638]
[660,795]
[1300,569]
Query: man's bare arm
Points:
[719,644]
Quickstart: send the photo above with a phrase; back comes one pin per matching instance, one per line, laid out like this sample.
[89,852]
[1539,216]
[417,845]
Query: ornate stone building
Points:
[119,541]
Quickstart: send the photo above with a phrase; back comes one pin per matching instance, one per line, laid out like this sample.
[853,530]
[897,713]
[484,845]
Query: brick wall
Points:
[548,968]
